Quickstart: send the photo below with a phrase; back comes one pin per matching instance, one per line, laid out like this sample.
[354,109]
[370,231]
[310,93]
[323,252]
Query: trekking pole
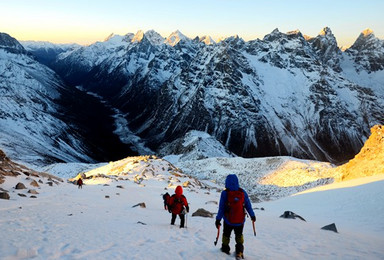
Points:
[254,229]
[218,234]
[186,220]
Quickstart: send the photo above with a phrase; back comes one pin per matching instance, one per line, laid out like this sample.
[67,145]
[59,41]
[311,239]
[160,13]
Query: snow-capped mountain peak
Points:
[10,44]
[207,40]
[109,37]
[175,37]
[367,51]
[138,36]
[326,31]
[294,32]
[366,40]
[367,32]
[275,34]
[325,46]
[154,38]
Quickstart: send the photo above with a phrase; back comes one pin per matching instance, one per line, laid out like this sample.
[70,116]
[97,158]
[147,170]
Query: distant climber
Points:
[166,198]
[233,202]
[178,205]
[80,183]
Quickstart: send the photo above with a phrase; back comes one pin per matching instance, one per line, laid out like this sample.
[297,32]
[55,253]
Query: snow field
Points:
[65,222]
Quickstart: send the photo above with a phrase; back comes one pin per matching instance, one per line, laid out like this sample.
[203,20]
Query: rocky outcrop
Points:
[10,169]
[369,161]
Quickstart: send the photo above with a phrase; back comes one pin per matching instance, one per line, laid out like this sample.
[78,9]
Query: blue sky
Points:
[84,22]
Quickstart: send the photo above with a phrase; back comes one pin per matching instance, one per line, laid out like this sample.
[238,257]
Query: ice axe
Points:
[218,234]
[254,229]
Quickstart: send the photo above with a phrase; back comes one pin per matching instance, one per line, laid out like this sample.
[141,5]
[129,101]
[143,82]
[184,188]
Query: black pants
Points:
[182,219]
[238,237]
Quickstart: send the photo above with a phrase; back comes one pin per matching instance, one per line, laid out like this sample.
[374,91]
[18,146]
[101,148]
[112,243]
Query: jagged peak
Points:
[307,37]
[175,37]
[326,31]
[365,39]
[367,32]
[275,31]
[128,37]
[295,32]
[109,37]
[151,35]
[138,36]
[154,37]
[207,40]
[275,34]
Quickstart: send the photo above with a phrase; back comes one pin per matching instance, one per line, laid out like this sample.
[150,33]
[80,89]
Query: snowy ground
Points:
[65,222]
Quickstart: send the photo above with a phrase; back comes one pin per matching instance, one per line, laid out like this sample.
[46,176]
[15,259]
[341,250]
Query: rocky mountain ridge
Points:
[42,119]
[286,94]
[283,95]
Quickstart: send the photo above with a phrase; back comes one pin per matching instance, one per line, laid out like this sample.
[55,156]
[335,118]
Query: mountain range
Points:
[285,94]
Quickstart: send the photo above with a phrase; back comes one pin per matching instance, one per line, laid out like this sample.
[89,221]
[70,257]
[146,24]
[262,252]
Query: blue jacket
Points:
[232,184]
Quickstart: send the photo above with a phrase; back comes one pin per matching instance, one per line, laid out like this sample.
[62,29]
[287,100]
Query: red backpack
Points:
[235,212]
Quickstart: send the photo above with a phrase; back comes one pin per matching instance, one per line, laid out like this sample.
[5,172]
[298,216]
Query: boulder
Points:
[292,215]
[202,213]
[33,192]
[34,183]
[4,195]
[20,186]
[330,227]
[142,205]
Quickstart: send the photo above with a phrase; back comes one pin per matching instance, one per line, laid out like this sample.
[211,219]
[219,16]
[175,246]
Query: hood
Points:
[179,190]
[231,182]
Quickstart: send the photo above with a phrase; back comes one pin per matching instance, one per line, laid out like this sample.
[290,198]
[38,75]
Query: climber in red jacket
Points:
[178,205]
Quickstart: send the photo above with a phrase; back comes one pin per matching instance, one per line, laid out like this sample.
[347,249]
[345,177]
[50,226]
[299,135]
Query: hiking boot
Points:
[225,249]
[239,255]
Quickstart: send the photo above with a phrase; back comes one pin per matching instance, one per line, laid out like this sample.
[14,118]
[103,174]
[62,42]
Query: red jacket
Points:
[177,202]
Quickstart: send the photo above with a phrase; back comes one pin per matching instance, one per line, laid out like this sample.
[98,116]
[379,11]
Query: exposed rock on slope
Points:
[10,169]
[369,161]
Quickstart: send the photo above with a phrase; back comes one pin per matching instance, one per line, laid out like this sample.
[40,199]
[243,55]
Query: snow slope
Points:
[65,222]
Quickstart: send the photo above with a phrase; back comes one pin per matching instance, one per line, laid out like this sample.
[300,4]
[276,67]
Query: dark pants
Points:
[238,237]
[182,219]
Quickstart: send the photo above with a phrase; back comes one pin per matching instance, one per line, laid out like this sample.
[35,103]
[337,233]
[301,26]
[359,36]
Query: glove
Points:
[253,218]
[217,223]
